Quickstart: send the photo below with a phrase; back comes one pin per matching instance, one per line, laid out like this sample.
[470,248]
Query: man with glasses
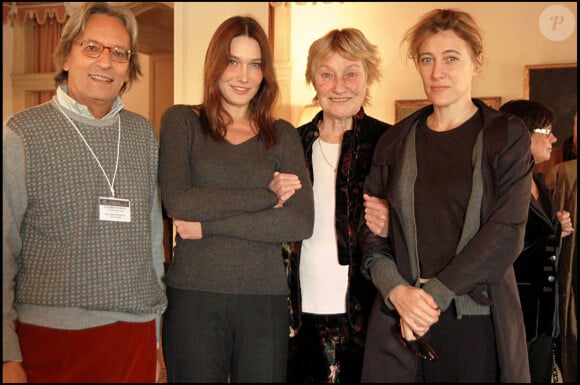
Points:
[82,223]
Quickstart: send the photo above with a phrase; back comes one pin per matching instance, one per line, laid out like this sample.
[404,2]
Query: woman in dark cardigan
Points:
[457,177]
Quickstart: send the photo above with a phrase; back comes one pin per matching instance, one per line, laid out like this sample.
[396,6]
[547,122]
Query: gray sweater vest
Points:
[69,257]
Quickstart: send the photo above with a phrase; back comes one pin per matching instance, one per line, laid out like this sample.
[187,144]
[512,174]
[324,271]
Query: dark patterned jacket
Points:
[536,266]
[355,159]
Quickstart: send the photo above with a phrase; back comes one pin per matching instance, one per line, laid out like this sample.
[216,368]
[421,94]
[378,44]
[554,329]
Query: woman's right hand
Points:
[417,309]
[188,229]
[284,186]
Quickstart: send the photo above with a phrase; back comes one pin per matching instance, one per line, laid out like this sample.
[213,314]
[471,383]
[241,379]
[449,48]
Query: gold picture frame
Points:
[404,108]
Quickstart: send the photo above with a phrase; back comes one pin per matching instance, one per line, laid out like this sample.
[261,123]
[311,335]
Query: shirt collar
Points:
[69,103]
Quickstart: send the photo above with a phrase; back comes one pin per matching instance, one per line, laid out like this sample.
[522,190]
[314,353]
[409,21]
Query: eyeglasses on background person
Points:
[543,131]
[94,49]
[420,348]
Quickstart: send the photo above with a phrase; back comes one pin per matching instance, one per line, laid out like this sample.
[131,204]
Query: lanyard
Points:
[111,184]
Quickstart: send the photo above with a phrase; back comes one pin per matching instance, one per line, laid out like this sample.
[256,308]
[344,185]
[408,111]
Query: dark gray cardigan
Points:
[484,265]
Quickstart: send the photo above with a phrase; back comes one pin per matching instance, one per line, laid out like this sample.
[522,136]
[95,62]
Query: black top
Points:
[442,190]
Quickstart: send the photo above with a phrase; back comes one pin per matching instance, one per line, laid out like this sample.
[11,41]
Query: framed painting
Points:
[404,108]
[554,85]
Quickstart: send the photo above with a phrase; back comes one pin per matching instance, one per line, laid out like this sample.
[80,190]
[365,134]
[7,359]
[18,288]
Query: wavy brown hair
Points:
[213,116]
[439,20]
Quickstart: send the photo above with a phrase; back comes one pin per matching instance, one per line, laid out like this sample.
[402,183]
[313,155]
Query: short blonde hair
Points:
[351,44]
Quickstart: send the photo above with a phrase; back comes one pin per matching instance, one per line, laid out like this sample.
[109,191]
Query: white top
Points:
[323,280]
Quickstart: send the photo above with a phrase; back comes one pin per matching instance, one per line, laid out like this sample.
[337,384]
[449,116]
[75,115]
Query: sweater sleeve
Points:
[292,222]
[182,199]
[158,250]
[14,198]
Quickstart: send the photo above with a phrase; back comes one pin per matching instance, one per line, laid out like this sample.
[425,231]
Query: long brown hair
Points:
[213,116]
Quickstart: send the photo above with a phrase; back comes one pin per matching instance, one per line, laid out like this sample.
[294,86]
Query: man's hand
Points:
[13,372]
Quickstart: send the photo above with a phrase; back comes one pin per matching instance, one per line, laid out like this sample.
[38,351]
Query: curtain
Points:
[40,11]
[48,20]
[46,37]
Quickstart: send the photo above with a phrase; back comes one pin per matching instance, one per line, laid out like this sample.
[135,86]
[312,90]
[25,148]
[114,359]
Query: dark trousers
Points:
[466,348]
[326,349]
[210,337]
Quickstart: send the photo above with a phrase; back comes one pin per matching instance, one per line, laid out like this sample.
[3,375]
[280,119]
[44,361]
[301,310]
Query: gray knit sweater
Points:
[225,187]
[63,267]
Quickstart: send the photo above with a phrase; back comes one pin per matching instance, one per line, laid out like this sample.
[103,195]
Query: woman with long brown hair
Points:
[227,314]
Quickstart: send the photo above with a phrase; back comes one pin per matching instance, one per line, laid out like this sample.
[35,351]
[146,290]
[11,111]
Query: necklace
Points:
[324,156]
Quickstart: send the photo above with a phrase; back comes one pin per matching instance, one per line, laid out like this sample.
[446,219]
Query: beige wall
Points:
[137,98]
[7,49]
[194,25]
[513,40]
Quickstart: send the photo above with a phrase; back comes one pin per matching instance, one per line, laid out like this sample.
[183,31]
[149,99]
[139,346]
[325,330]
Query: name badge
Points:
[114,209]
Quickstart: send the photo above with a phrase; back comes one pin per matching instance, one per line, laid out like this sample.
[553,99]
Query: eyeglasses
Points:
[543,131]
[94,49]
[419,348]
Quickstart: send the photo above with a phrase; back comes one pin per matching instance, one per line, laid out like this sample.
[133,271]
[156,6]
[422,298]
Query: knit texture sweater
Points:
[225,187]
[69,259]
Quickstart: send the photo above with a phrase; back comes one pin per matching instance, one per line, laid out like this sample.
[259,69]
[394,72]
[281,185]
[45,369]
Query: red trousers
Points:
[119,352]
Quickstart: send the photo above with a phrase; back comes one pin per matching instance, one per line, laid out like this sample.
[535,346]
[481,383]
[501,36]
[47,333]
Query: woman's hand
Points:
[417,309]
[188,230]
[377,215]
[566,222]
[284,186]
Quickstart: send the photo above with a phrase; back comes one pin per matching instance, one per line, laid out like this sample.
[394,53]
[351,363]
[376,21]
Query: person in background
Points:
[569,149]
[566,196]
[456,176]
[227,316]
[330,299]
[536,267]
[563,153]
[82,224]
